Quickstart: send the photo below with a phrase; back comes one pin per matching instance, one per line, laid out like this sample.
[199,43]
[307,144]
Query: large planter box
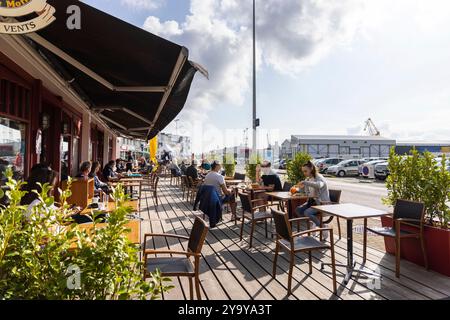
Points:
[437,243]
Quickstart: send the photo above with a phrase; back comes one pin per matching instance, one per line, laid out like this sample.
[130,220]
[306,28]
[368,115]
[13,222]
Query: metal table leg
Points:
[351,263]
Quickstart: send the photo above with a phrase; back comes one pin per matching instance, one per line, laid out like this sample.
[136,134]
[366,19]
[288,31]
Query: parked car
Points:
[367,170]
[282,165]
[346,168]
[324,164]
[382,171]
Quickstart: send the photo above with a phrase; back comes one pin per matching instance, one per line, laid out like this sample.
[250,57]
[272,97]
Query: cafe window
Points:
[12,147]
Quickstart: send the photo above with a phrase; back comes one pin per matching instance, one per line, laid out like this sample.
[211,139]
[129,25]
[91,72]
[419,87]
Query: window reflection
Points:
[12,148]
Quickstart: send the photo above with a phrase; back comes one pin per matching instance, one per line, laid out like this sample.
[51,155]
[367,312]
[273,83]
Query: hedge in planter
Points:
[36,253]
[250,167]
[420,178]
[294,167]
[229,165]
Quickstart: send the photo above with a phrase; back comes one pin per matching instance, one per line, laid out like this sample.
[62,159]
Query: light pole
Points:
[255,120]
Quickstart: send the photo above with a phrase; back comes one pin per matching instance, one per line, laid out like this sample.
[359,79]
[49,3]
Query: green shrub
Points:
[294,167]
[420,178]
[36,258]
[229,164]
[250,167]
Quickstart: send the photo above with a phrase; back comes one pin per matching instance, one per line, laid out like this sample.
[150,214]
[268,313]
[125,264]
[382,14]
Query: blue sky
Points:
[323,69]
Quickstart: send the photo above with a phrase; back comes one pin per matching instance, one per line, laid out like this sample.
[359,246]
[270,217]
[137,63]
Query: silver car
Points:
[346,168]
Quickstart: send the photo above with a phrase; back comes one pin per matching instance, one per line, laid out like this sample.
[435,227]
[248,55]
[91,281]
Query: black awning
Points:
[136,81]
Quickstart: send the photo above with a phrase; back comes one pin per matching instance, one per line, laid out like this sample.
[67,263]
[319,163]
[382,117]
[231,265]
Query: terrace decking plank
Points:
[251,288]
[230,270]
[161,243]
[304,294]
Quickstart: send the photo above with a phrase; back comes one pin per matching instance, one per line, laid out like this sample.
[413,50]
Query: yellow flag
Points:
[154,149]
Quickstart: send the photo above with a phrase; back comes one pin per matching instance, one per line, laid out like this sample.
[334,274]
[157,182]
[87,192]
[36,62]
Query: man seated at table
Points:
[270,177]
[215,179]
[174,168]
[192,171]
[109,172]
[183,167]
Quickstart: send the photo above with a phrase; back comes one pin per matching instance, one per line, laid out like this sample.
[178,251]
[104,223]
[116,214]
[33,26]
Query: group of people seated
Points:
[314,186]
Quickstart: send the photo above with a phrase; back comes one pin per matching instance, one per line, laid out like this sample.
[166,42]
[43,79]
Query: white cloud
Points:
[292,35]
[143,4]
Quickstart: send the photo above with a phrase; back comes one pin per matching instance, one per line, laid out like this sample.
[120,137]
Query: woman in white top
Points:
[316,188]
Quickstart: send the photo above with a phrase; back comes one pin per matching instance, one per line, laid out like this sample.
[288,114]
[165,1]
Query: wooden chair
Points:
[299,242]
[254,213]
[153,188]
[193,189]
[406,213]
[174,177]
[335,198]
[179,266]
[184,185]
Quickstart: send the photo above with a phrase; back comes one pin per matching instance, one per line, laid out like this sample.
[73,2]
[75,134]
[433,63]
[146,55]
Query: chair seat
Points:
[389,232]
[170,266]
[259,215]
[305,243]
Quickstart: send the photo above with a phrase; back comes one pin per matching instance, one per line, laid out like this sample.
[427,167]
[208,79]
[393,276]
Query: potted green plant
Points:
[294,167]
[40,254]
[250,167]
[419,177]
[229,164]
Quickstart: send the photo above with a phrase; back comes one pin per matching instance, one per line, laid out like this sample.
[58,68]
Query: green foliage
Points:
[294,167]
[420,178]
[229,164]
[250,167]
[38,252]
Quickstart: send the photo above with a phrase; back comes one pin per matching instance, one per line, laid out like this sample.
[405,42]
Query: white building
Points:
[179,146]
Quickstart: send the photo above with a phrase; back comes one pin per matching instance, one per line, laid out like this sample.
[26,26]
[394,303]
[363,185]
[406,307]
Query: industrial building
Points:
[347,147]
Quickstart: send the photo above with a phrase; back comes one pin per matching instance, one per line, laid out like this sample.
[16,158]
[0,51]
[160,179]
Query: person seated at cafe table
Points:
[215,179]
[174,168]
[120,166]
[192,171]
[316,188]
[270,177]
[109,172]
[183,167]
[85,170]
[42,174]
[99,185]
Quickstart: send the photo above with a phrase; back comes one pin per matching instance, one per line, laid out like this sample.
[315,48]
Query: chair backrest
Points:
[282,225]
[409,210]
[287,186]
[246,202]
[198,235]
[190,181]
[335,196]
[239,176]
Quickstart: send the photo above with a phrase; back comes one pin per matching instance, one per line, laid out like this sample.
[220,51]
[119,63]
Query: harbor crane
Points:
[371,128]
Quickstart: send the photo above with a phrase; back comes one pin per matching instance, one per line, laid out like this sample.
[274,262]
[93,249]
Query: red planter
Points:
[437,243]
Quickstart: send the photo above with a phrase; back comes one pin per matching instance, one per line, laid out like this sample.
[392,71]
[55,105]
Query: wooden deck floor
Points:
[230,270]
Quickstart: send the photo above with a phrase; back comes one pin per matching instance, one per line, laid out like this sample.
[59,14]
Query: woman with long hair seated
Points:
[316,188]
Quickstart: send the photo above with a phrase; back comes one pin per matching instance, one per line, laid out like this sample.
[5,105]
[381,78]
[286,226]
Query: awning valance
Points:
[136,81]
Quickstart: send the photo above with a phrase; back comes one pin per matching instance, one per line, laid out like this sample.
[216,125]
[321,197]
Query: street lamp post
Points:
[255,124]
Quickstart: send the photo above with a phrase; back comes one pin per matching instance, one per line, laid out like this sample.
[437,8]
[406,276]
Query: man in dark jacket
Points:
[192,171]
